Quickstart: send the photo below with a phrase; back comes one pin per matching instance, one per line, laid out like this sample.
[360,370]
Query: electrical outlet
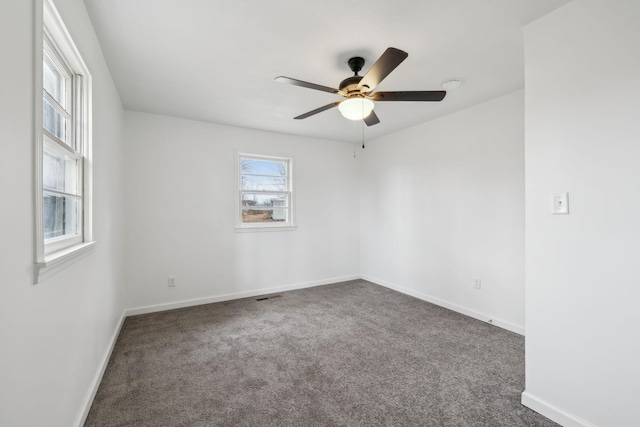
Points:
[172,281]
[477,284]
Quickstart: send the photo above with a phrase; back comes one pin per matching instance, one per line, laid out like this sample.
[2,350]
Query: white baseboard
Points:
[554,413]
[97,379]
[237,295]
[518,329]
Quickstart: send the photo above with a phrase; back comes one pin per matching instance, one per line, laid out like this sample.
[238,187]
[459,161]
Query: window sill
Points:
[58,260]
[258,229]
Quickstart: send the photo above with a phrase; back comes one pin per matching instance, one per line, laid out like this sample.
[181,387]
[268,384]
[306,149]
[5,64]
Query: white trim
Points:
[59,33]
[48,22]
[552,412]
[56,261]
[255,229]
[255,292]
[39,144]
[238,295]
[97,379]
[518,329]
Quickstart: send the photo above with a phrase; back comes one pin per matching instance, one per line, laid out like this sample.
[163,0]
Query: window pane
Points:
[263,183]
[263,167]
[59,171]
[53,81]
[53,121]
[264,207]
[263,200]
[265,215]
[61,216]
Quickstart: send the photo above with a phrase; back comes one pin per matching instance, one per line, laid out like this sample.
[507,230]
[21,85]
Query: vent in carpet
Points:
[269,297]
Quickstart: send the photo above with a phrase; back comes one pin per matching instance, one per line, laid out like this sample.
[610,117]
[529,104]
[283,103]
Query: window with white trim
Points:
[265,192]
[63,146]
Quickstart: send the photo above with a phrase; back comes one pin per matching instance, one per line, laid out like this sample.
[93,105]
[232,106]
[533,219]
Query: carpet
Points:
[347,354]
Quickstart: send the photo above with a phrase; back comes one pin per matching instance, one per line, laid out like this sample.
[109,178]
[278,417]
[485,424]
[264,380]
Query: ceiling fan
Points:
[358,90]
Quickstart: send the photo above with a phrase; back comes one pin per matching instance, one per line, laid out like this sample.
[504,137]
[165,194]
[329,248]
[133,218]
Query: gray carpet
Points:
[349,354]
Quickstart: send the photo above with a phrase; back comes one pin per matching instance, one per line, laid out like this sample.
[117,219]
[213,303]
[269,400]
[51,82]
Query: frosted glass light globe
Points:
[356,108]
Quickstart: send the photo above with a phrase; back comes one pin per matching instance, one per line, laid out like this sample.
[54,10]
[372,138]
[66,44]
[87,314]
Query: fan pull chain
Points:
[363,126]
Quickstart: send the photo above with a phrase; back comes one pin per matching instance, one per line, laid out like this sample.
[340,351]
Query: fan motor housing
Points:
[350,84]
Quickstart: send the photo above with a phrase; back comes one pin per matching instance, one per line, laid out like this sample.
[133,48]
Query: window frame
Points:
[72,146]
[289,225]
[54,37]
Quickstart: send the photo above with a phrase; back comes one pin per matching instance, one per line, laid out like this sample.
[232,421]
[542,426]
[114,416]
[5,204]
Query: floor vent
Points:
[269,297]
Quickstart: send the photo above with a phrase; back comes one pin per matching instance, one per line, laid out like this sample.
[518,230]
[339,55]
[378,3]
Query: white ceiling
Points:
[216,61]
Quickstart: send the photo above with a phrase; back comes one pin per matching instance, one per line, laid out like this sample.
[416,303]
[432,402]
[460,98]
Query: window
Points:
[63,143]
[61,154]
[264,192]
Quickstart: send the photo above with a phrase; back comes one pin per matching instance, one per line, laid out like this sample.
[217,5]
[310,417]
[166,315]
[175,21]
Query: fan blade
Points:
[317,110]
[372,119]
[388,62]
[425,95]
[283,79]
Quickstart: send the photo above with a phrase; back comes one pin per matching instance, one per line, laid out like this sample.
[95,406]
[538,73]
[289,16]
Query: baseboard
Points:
[237,295]
[518,329]
[554,413]
[95,384]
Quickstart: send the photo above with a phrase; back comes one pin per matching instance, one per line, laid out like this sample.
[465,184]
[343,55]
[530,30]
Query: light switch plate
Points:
[560,203]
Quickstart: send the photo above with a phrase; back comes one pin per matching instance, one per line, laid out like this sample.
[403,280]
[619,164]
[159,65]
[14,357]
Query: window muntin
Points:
[265,191]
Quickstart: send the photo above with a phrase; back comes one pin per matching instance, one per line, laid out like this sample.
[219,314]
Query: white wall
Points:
[54,335]
[442,204]
[583,137]
[181,214]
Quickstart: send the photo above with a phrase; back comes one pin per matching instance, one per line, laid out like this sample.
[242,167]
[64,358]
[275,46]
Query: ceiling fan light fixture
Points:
[359,90]
[356,108]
